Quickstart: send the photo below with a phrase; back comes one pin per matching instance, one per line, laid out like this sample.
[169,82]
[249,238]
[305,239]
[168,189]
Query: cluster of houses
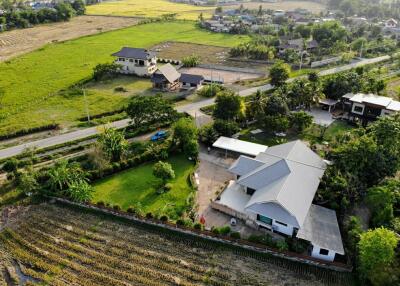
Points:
[227,20]
[274,189]
[143,63]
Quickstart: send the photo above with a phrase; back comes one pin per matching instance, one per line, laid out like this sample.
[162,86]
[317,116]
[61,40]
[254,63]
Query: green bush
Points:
[235,235]
[164,218]
[180,222]
[225,230]
[100,204]
[215,230]
[130,210]
[198,226]
[116,207]
[282,245]
[210,90]
[149,215]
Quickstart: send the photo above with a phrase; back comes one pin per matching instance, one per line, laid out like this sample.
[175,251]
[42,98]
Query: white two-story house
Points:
[140,62]
[275,190]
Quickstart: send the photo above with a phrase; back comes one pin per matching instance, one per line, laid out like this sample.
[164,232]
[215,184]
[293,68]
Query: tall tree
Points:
[228,106]
[279,73]
[376,254]
[113,143]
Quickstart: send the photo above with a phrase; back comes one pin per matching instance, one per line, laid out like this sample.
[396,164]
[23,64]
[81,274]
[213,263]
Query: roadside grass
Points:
[149,8]
[138,187]
[32,82]
[393,87]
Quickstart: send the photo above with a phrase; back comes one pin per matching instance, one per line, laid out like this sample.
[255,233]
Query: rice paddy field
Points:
[157,8]
[36,85]
[52,244]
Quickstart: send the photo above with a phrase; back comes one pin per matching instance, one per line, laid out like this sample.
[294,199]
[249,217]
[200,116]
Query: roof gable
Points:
[245,165]
[169,72]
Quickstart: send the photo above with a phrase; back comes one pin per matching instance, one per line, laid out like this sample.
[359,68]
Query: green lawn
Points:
[139,186]
[310,134]
[32,82]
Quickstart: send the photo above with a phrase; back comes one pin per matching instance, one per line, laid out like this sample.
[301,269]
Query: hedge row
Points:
[29,131]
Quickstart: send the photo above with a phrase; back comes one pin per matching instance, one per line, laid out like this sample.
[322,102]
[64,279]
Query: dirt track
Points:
[21,41]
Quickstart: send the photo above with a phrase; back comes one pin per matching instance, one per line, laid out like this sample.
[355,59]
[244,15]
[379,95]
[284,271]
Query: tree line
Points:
[22,16]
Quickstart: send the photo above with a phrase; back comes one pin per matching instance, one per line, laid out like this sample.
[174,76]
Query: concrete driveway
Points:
[321,117]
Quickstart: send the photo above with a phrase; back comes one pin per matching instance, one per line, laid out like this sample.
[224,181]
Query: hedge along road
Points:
[192,109]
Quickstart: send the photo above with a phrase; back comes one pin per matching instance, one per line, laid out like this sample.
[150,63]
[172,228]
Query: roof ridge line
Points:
[290,160]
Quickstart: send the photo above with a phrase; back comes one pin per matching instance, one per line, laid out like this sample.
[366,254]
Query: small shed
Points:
[239,146]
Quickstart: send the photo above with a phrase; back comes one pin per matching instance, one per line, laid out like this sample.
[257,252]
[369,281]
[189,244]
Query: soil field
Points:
[227,76]
[177,51]
[55,245]
[20,41]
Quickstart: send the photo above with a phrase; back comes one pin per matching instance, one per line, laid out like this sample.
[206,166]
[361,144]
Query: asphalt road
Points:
[191,108]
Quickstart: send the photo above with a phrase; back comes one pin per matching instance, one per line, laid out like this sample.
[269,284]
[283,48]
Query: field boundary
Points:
[301,264]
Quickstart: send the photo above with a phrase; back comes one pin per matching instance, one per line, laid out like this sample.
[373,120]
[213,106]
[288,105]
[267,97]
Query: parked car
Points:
[160,135]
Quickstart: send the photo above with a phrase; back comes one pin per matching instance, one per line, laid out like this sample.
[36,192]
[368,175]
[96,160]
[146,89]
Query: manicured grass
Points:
[138,186]
[310,134]
[32,82]
[149,8]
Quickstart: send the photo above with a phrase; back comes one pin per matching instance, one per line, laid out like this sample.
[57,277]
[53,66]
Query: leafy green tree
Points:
[277,123]
[279,73]
[304,31]
[105,71]
[163,171]
[185,136]
[301,92]
[225,127]
[208,134]
[149,109]
[228,106]
[377,254]
[300,120]
[276,104]
[28,182]
[64,11]
[329,33]
[210,90]
[79,6]
[380,200]
[113,143]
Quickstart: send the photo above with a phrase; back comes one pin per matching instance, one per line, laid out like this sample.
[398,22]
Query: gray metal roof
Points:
[191,78]
[295,151]
[169,72]
[134,53]
[289,176]
[245,165]
[321,229]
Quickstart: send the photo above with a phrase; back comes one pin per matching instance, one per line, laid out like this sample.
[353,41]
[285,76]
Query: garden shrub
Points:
[130,210]
[116,207]
[215,230]
[198,226]
[100,204]
[235,235]
[164,218]
[282,245]
[168,187]
[149,215]
[180,222]
[225,230]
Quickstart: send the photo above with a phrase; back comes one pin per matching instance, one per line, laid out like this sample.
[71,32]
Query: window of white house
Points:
[121,59]
[264,219]
[358,109]
[131,60]
[281,223]
[323,251]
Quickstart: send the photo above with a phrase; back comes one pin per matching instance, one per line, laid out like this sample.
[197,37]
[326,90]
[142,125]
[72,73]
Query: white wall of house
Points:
[386,112]
[355,105]
[316,253]
[277,226]
[134,66]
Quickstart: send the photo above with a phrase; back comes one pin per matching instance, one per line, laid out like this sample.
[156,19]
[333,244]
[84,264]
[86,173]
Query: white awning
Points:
[239,146]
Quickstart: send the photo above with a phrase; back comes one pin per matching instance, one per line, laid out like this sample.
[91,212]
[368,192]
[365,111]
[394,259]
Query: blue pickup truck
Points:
[160,135]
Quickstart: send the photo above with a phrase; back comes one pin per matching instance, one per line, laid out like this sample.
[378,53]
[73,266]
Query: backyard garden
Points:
[138,188]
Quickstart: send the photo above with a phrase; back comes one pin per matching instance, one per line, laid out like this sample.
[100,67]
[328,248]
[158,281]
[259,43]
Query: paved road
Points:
[192,108]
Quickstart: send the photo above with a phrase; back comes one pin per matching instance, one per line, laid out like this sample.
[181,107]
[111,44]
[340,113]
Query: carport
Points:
[239,146]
